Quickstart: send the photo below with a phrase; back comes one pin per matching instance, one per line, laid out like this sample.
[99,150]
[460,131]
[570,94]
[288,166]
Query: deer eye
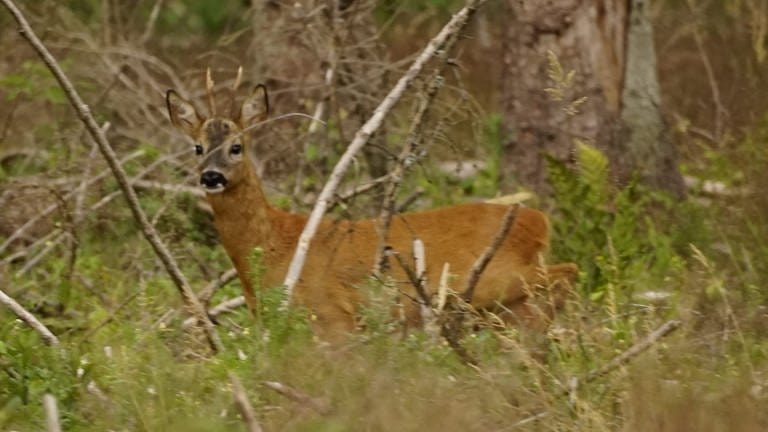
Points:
[198,149]
[236,149]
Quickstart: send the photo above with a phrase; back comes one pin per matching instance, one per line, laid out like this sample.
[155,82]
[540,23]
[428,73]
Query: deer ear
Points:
[255,108]
[182,113]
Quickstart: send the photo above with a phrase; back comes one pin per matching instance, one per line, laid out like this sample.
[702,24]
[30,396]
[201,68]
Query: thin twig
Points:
[51,413]
[227,306]
[51,243]
[83,112]
[206,293]
[244,405]
[711,78]
[51,208]
[633,351]
[361,138]
[112,314]
[321,406]
[28,318]
[488,253]
[408,156]
[151,22]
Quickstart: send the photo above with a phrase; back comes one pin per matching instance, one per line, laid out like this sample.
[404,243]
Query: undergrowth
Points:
[125,363]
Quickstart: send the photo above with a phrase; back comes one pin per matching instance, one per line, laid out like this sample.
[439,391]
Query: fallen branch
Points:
[83,112]
[244,405]
[319,405]
[361,138]
[28,318]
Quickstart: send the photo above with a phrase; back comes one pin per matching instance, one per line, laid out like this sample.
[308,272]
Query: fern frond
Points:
[593,166]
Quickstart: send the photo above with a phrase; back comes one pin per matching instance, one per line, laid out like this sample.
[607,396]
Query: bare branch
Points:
[363,135]
[28,318]
[149,232]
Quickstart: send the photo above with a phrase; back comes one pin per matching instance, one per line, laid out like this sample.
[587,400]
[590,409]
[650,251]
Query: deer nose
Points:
[213,179]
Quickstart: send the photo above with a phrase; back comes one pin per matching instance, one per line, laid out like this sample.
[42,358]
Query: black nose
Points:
[213,179]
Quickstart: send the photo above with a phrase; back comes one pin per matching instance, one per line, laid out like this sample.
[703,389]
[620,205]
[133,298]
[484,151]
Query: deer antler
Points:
[209,91]
[233,92]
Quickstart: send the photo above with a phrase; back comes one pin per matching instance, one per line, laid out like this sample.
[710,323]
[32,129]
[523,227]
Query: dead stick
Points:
[192,302]
[361,138]
[489,252]
[28,318]
[244,405]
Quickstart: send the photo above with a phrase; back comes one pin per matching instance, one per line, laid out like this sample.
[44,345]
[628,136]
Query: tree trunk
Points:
[646,145]
[614,63]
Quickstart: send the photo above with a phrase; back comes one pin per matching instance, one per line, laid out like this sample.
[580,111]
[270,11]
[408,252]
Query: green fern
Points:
[593,167]
[607,229]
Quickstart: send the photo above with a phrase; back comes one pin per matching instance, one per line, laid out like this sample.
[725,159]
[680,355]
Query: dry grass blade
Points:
[93,128]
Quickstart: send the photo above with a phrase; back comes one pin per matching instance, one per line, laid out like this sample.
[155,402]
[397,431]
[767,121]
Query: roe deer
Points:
[342,252]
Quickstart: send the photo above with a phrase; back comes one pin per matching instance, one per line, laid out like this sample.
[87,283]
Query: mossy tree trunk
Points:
[609,45]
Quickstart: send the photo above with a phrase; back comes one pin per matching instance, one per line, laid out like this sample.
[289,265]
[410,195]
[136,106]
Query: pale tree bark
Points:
[615,69]
[646,140]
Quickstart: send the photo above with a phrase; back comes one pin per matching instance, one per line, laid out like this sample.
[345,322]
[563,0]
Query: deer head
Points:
[220,142]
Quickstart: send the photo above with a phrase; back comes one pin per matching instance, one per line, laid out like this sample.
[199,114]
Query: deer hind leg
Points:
[250,298]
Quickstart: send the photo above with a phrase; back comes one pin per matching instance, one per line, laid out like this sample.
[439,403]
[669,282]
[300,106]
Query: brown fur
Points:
[342,252]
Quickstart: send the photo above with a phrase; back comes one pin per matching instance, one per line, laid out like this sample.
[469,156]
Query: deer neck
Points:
[241,216]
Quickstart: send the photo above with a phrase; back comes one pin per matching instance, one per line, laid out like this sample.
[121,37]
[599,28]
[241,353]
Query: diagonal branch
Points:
[362,136]
[28,318]
[84,113]
[489,252]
